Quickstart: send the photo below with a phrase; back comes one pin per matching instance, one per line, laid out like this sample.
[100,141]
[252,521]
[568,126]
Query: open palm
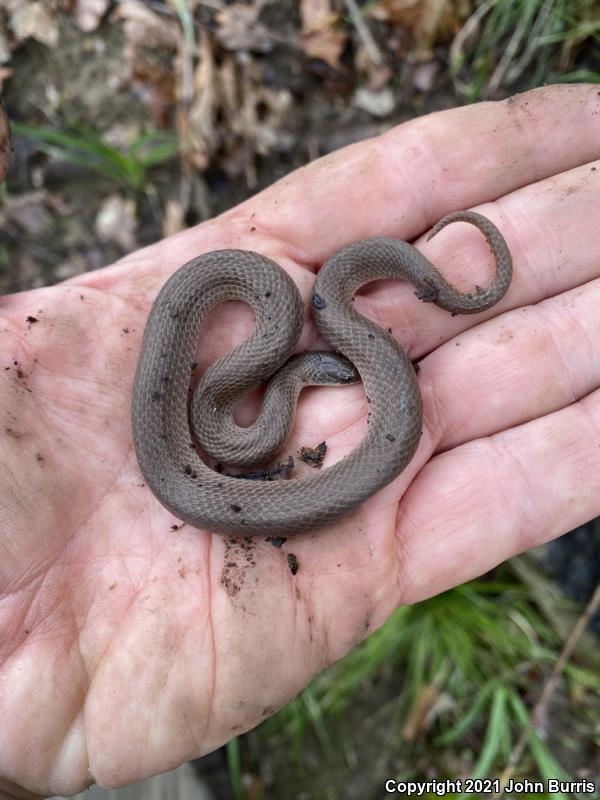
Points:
[129,642]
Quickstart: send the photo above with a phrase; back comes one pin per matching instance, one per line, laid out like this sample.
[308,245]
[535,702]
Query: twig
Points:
[544,20]
[509,52]
[187,52]
[544,699]
[364,33]
[458,44]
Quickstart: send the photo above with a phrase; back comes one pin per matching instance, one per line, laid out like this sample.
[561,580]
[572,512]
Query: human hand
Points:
[127,647]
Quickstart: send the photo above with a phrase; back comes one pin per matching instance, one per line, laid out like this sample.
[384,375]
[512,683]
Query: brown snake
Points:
[168,422]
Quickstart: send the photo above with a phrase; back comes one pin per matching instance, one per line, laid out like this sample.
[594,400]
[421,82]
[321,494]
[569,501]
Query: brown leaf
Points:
[4,48]
[429,21]
[144,28]
[239,29]
[174,219]
[198,129]
[116,221]
[423,711]
[398,12]
[34,20]
[88,13]
[151,46]
[319,37]
[232,112]
[377,104]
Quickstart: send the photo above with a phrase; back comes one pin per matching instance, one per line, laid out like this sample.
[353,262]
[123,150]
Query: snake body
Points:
[168,423]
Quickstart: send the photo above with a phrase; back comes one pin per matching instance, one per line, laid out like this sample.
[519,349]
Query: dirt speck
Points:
[293,563]
[276,541]
[239,559]
[313,456]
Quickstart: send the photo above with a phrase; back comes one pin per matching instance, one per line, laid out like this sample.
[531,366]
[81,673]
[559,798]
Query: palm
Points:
[130,646]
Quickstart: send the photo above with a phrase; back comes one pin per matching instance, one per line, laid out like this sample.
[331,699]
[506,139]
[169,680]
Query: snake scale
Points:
[169,420]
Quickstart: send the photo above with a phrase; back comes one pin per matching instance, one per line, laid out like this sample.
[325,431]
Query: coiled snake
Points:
[167,420]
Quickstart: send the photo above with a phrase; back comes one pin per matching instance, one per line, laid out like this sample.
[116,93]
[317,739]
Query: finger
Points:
[524,364]
[552,233]
[482,502]
[540,356]
[402,182]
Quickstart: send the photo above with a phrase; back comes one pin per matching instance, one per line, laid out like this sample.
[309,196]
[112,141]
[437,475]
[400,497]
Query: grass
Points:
[520,44]
[86,148]
[464,662]
[234,768]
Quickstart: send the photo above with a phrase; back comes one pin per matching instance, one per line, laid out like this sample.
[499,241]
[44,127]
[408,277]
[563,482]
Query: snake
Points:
[178,426]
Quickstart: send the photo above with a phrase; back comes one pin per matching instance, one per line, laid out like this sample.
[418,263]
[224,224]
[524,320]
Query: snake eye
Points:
[319,302]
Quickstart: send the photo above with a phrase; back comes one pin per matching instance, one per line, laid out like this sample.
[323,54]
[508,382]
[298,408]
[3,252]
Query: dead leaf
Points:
[424,75]
[4,48]
[378,75]
[145,28]
[116,221]
[34,20]
[230,111]
[239,29]
[88,13]
[174,219]
[425,708]
[27,213]
[198,127]
[377,104]
[398,12]
[319,37]
[151,45]
[428,21]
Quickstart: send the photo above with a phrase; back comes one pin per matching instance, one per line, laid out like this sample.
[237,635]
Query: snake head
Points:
[333,368]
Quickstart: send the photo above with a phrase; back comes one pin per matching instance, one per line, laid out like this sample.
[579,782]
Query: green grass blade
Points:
[86,148]
[495,734]
[235,767]
[547,765]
